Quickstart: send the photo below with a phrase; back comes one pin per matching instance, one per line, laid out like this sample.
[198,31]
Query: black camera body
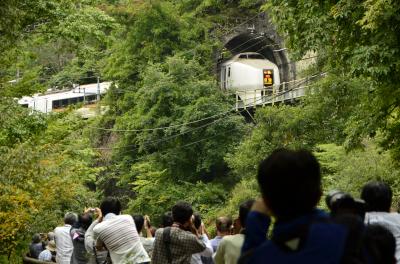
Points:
[341,203]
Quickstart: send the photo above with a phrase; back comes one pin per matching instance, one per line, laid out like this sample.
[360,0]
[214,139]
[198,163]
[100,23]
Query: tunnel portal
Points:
[259,35]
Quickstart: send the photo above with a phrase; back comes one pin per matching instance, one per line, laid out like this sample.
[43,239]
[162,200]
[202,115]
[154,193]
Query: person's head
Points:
[85,220]
[223,225]
[139,222]
[110,205]
[182,212]
[50,236]
[380,244]
[36,238]
[290,182]
[51,246]
[244,210]
[167,219]
[197,220]
[70,218]
[377,197]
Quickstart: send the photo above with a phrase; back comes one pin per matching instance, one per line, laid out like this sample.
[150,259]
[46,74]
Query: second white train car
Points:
[251,76]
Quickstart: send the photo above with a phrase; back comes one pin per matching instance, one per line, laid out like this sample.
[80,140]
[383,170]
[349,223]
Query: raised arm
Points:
[257,225]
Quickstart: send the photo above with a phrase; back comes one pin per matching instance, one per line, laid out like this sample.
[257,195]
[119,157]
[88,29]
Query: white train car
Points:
[51,101]
[251,77]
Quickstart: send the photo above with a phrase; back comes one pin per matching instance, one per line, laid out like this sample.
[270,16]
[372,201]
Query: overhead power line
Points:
[199,120]
[254,103]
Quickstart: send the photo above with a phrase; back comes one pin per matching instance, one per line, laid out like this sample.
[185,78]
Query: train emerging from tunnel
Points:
[251,76]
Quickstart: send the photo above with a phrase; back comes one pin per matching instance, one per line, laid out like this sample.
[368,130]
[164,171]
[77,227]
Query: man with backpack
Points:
[177,244]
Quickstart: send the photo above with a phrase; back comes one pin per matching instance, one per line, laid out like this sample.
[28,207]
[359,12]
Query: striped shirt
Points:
[119,235]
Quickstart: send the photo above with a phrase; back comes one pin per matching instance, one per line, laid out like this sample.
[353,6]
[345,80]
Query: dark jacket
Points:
[311,238]
[35,249]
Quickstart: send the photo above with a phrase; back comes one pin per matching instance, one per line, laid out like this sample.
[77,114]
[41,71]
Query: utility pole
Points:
[98,88]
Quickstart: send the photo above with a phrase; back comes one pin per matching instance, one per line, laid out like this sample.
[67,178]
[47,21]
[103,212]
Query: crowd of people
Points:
[284,225]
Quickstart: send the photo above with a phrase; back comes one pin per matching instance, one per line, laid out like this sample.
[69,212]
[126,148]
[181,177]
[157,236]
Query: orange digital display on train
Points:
[268,77]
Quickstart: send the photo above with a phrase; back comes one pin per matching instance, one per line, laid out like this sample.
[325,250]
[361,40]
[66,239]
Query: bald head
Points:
[223,225]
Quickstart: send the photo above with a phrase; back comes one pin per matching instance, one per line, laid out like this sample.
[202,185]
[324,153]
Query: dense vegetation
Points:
[161,57]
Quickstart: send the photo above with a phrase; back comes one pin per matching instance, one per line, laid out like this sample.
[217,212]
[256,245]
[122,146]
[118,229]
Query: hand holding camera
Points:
[95,211]
[341,203]
[147,223]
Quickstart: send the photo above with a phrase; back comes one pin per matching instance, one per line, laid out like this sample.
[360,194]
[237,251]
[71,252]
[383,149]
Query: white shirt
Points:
[228,251]
[207,252]
[389,220]
[148,244]
[64,244]
[45,255]
[118,233]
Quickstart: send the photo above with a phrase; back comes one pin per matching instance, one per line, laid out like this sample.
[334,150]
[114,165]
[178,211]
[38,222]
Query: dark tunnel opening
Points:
[248,42]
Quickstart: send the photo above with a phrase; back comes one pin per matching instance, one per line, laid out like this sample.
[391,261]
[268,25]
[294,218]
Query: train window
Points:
[243,56]
[25,105]
[268,77]
[229,72]
[91,98]
[255,56]
[56,104]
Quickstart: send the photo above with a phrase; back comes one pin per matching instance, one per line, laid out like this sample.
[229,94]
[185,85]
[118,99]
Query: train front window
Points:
[255,56]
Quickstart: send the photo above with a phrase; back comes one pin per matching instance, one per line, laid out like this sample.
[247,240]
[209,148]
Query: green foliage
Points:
[172,94]
[17,125]
[157,192]
[351,171]
[37,186]
[22,16]
[360,42]
[44,167]
[151,35]
[57,53]
[276,127]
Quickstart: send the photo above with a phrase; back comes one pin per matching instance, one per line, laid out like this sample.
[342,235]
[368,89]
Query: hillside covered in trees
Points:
[169,133]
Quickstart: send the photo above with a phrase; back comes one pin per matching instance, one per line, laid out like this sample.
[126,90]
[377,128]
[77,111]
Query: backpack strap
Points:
[167,243]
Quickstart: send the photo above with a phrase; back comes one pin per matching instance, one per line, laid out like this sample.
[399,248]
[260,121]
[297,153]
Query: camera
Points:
[341,203]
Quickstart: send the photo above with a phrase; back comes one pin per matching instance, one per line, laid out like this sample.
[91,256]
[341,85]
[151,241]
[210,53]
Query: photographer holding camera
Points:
[143,222]
[290,183]
[177,244]
[117,233]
